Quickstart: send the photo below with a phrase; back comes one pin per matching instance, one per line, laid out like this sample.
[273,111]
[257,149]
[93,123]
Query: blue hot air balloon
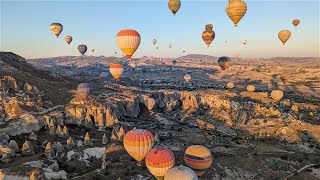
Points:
[84,90]
[82,48]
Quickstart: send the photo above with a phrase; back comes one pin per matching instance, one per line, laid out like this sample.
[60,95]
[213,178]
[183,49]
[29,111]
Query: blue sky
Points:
[25,27]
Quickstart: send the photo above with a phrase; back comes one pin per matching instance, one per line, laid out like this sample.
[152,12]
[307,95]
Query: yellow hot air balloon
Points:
[116,70]
[284,36]
[68,39]
[138,142]
[251,88]
[56,28]
[198,158]
[276,95]
[230,85]
[236,9]
[187,78]
[296,22]
[174,6]
[208,35]
[180,173]
[224,62]
[128,41]
[159,160]
[245,42]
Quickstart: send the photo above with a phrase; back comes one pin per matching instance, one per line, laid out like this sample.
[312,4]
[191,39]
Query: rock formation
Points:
[104,139]
[59,131]
[65,132]
[70,143]
[14,146]
[27,149]
[87,140]
[49,151]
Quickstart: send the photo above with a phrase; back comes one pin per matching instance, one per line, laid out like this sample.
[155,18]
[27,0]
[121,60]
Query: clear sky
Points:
[25,27]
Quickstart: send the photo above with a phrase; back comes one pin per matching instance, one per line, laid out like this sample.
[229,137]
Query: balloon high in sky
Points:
[97,23]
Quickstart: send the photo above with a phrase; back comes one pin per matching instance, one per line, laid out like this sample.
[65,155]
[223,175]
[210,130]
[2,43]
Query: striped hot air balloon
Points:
[208,35]
[138,143]
[128,41]
[198,158]
[159,160]
[180,173]
[284,78]
[84,90]
[116,70]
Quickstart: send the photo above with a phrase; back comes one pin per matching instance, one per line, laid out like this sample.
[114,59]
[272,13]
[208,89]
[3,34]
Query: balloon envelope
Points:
[284,36]
[128,41]
[116,70]
[174,6]
[277,95]
[56,28]
[68,39]
[82,49]
[198,158]
[236,9]
[138,142]
[187,78]
[159,160]
[154,41]
[230,85]
[251,88]
[296,22]
[224,62]
[180,173]
[84,89]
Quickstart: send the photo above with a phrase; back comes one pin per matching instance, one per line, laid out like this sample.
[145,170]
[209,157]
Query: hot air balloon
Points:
[236,9]
[56,28]
[198,158]
[224,62]
[154,41]
[115,52]
[133,65]
[183,51]
[159,160]
[68,39]
[157,47]
[251,88]
[138,142]
[174,6]
[296,22]
[284,36]
[208,35]
[180,173]
[116,70]
[82,48]
[170,45]
[174,62]
[84,90]
[284,78]
[92,50]
[230,85]
[128,41]
[245,42]
[276,95]
[187,78]
[236,54]
[104,74]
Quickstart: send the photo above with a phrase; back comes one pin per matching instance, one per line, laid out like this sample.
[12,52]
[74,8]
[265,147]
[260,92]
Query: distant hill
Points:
[198,56]
[56,87]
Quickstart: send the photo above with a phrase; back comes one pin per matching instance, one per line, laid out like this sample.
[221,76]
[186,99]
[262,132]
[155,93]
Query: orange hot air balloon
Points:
[198,158]
[138,143]
[236,9]
[159,160]
[296,22]
[208,35]
[251,88]
[116,70]
[128,41]
[284,36]
[284,78]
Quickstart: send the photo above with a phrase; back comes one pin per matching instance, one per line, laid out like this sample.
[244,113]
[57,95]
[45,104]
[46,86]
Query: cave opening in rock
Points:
[92,120]
[143,110]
